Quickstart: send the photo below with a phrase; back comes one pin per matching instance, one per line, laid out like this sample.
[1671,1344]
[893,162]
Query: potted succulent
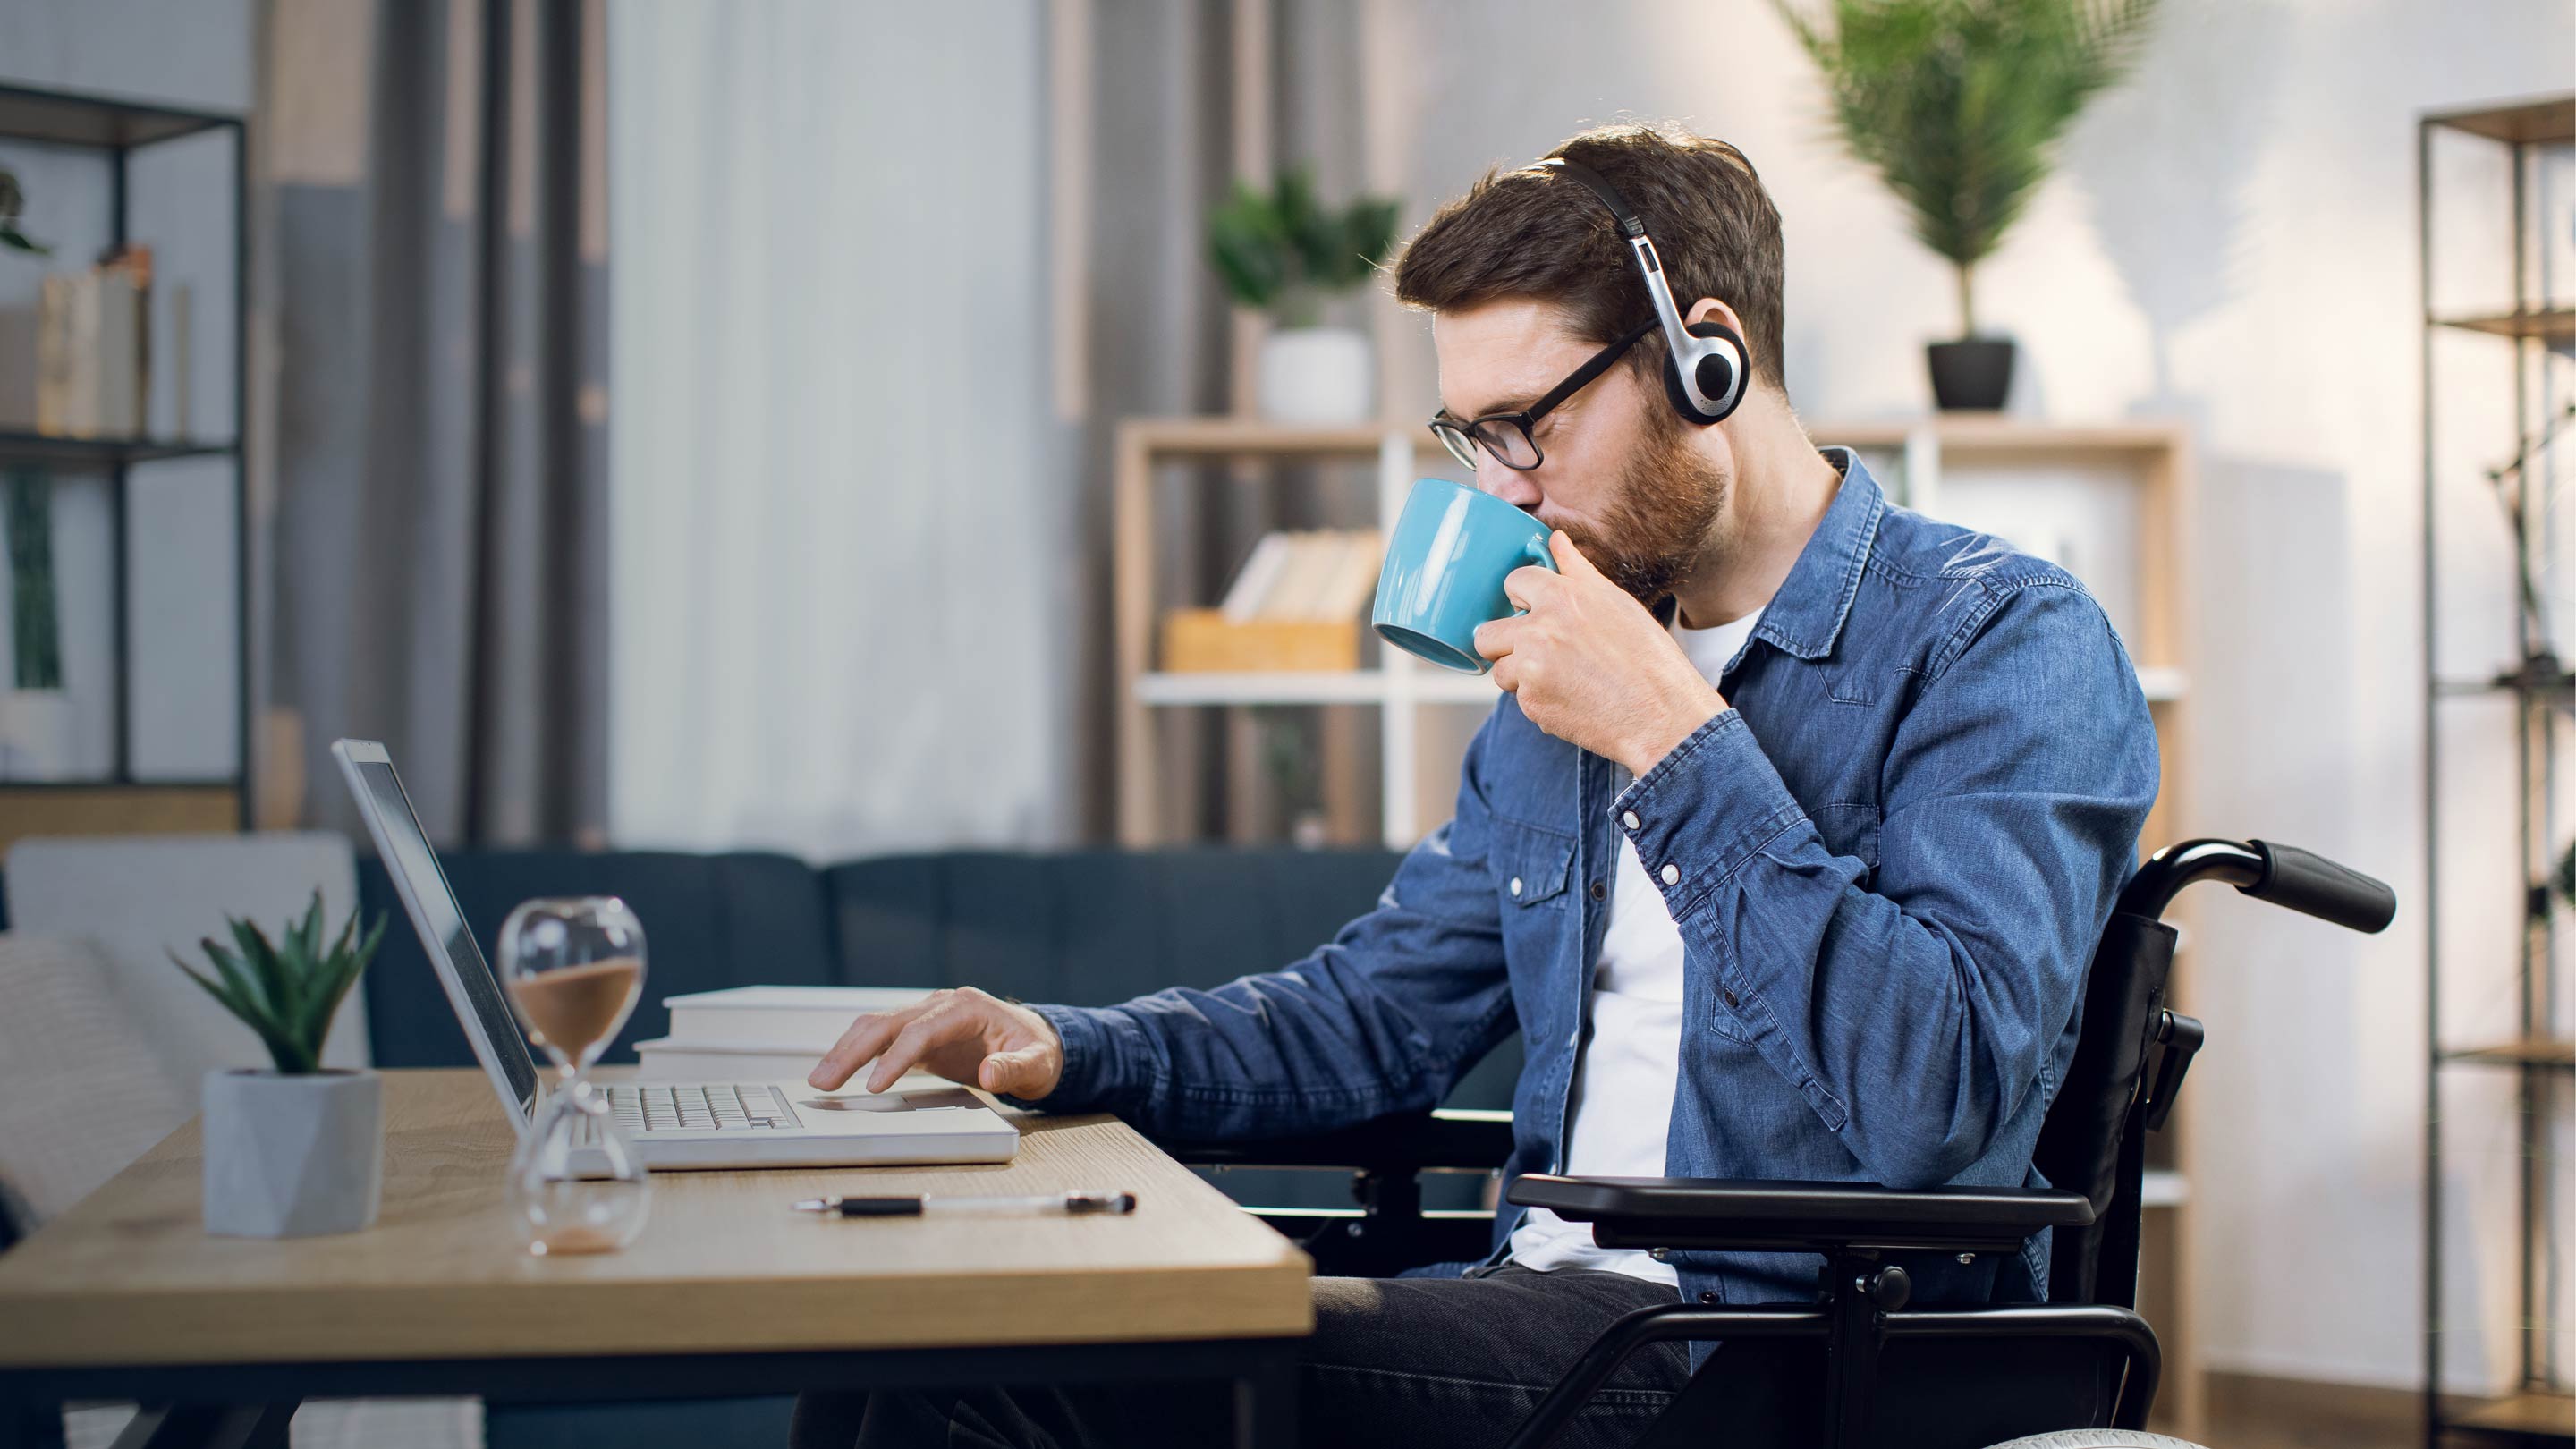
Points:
[35,713]
[1959,105]
[298,1150]
[1285,254]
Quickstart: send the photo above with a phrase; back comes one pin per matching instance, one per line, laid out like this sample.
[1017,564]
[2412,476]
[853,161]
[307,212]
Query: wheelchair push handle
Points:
[2285,875]
[2309,883]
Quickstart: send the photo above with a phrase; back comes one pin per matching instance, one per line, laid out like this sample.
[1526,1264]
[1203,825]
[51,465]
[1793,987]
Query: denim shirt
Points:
[1888,860]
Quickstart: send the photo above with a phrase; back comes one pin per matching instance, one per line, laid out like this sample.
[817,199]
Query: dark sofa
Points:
[1083,927]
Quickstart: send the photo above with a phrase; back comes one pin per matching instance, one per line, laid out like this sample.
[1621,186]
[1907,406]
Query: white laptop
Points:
[673,1124]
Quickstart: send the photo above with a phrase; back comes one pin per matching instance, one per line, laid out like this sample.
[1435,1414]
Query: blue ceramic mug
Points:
[1445,566]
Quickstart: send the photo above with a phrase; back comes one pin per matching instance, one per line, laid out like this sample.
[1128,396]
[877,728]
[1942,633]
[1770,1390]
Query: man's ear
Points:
[1709,309]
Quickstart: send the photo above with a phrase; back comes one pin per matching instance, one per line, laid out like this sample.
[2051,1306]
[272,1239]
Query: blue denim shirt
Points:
[1889,860]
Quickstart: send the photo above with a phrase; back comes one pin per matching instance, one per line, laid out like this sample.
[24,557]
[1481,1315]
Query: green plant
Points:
[1959,104]
[35,629]
[10,200]
[1283,252]
[287,991]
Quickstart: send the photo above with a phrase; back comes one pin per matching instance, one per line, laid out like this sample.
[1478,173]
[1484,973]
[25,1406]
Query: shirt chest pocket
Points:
[1531,865]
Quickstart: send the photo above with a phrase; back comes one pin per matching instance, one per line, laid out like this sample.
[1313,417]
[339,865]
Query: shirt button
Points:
[1599,890]
[1516,885]
[1729,995]
[1629,819]
[1708,1295]
[1672,874]
[1658,1254]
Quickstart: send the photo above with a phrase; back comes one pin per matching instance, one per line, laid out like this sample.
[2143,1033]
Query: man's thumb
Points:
[1015,1073]
[1569,559]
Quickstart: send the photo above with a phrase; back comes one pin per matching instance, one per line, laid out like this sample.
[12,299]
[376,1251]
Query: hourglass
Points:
[574,969]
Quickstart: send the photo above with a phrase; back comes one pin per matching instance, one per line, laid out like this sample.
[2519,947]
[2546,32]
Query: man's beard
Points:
[1657,525]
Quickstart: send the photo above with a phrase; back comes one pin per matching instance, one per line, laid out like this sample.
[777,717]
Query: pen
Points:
[1077,1204]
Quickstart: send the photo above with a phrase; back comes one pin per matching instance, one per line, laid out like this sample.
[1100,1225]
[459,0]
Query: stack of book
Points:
[1295,604]
[93,348]
[760,1033]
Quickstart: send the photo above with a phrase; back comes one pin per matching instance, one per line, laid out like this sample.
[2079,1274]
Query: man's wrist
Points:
[1676,723]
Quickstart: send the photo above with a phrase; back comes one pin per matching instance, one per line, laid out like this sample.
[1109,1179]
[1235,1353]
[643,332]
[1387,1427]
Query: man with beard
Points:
[1784,851]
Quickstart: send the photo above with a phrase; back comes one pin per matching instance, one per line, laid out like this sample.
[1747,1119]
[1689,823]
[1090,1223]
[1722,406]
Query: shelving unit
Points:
[2537,1052]
[121,802]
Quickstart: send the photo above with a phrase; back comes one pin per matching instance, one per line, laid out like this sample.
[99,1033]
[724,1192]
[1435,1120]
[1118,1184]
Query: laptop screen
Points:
[471,987]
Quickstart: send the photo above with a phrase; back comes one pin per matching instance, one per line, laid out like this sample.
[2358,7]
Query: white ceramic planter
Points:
[35,734]
[1317,375]
[293,1157]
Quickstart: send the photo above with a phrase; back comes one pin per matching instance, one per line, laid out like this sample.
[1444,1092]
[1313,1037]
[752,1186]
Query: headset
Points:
[1704,367]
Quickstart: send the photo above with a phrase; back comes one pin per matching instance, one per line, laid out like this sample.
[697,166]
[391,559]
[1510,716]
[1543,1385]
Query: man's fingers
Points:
[934,1028]
[1527,585]
[864,1039]
[1507,674]
[1493,639]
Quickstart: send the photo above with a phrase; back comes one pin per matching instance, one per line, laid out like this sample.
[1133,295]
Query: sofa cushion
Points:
[709,921]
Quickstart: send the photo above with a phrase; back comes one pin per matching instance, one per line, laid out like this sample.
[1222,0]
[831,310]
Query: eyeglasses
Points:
[1507,435]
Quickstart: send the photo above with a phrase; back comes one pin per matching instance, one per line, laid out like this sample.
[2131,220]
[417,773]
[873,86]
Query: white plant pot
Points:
[35,734]
[292,1157]
[1321,375]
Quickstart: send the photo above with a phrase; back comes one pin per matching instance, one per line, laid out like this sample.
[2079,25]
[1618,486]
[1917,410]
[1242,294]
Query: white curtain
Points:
[841,514]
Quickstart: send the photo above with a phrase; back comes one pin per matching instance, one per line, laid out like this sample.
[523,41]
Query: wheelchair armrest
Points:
[1689,1212]
[1406,1142]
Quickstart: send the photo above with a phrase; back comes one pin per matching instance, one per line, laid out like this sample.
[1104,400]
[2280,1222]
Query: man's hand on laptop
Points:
[964,1035]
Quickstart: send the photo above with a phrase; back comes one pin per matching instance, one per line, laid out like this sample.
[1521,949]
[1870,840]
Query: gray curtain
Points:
[436,553]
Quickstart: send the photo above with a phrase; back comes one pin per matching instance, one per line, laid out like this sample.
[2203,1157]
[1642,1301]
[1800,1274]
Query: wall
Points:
[181,522]
[2231,240]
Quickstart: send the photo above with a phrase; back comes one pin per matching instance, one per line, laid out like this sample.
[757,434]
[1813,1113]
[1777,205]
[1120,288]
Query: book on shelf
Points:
[806,1019]
[93,348]
[1320,574]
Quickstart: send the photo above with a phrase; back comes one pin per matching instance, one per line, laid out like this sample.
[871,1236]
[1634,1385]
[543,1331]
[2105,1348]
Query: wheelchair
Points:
[1859,1367]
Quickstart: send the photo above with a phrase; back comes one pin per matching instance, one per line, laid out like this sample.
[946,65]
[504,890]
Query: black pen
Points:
[1077,1204]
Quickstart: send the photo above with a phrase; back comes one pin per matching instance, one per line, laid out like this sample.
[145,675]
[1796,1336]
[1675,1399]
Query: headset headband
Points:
[1706,366]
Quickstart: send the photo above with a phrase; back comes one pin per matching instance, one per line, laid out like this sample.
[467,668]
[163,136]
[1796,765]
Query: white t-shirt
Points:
[1623,1103]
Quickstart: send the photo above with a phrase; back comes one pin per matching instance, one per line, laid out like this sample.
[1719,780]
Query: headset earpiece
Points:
[1717,367]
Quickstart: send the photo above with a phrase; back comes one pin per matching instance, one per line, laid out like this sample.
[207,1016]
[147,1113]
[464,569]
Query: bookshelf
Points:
[120,802]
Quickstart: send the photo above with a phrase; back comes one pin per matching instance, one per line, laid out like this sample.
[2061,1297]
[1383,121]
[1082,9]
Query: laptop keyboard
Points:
[645,1108]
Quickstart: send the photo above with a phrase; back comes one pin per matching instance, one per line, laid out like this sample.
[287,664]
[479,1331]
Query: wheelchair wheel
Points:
[2099,1439]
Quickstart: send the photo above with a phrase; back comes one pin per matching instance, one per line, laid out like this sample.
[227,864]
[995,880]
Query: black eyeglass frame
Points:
[1463,436]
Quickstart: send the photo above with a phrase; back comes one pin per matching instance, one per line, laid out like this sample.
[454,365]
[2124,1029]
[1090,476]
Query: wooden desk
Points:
[727,1292]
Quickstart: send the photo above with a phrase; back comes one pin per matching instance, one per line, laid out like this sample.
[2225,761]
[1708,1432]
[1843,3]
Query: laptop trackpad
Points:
[925,1099]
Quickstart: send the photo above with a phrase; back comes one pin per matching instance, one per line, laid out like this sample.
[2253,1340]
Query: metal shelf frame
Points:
[2534,327]
[117,128]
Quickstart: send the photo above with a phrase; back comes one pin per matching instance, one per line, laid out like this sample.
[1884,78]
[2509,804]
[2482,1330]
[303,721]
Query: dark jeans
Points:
[1398,1361]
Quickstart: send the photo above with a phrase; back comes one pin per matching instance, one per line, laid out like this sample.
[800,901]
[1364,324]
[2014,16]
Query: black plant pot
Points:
[1973,373]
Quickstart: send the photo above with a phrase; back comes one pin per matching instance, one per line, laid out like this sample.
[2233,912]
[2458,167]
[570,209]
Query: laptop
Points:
[671,1124]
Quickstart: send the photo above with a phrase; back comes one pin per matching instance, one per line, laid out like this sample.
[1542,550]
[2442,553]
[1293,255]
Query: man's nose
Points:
[1508,484]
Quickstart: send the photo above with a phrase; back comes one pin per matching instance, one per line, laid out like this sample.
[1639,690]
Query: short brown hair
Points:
[1537,235]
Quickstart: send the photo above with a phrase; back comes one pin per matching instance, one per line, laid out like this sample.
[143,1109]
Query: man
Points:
[1785,851]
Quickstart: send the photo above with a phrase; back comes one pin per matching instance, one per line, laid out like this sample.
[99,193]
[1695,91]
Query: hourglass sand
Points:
[574,969]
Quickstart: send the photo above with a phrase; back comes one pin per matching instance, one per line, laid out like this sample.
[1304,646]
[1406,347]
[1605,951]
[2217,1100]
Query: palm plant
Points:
[1283,252]
[10,236]
[1959,104]
[288,990]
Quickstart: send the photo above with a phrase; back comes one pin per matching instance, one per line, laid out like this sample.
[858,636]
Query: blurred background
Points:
[826,429]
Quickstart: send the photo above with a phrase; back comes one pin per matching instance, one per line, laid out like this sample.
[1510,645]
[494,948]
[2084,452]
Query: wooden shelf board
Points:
[141,809]
[2534,1052]
[1222,437]
[2543,120]
[2525,1413]
[2555,325]
[19,446]
[1431,686]
[1996,433]
[93,120]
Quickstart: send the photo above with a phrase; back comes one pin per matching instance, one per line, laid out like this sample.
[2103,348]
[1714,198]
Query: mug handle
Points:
[1537,552]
